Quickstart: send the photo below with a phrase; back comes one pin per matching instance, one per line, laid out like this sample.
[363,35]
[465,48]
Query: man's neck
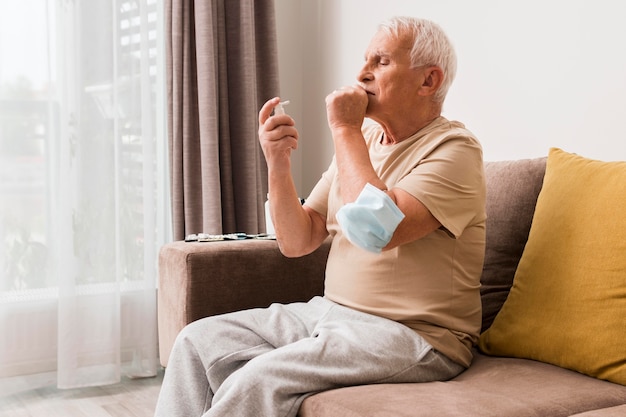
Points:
[406,125]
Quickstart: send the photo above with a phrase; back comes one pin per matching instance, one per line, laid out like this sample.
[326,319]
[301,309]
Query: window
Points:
[83,184]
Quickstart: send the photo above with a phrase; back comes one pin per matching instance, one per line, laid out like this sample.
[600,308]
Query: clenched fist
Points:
[346,107]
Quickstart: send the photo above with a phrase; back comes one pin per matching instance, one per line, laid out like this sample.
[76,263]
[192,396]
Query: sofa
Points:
[203,279]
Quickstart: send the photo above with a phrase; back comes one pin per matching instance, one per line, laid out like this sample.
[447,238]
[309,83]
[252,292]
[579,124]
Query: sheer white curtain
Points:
[83,188]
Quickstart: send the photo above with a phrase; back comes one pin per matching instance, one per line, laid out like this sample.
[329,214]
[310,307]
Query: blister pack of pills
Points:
[205,237]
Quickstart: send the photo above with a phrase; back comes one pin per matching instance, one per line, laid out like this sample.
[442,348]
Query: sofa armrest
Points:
[197,280]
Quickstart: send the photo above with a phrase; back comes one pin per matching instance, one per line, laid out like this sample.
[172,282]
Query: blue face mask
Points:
[371,220]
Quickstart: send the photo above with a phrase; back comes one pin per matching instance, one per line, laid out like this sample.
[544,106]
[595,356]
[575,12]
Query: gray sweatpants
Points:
[264,362]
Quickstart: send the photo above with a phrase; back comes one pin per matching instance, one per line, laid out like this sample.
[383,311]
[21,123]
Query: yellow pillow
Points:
[567,305]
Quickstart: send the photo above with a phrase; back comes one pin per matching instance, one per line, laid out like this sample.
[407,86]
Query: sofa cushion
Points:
[567,305]
[491,387]
[512,190]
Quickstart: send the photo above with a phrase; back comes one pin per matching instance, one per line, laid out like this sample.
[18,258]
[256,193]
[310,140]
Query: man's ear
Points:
[433,78]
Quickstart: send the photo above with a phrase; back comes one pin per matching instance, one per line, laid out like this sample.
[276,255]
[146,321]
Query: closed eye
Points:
[379,59]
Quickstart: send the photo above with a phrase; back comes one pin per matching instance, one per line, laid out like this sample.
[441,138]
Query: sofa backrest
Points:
[512,191]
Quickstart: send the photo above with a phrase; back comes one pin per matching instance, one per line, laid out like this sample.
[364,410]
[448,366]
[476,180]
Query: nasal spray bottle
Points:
[279,107]
[269,226]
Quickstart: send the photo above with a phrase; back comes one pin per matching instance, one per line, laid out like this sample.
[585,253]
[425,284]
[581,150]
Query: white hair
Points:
[431,46]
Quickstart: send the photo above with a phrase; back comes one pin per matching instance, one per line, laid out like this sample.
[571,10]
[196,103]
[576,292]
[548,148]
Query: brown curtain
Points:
[221,67]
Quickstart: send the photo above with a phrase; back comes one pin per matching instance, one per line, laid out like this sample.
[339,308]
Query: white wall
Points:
[532,74]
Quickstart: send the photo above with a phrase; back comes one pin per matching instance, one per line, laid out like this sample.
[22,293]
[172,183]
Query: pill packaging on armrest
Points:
[205,237]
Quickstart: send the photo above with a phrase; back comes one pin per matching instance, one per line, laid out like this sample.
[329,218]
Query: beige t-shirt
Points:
[432,285]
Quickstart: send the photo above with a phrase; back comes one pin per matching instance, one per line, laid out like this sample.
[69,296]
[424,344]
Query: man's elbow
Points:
[292,250]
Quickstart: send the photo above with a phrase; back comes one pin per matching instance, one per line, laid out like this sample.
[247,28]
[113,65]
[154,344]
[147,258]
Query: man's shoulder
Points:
[444,127]
[450,133]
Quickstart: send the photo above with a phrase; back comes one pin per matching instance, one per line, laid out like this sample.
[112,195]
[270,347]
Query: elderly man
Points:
[403,200]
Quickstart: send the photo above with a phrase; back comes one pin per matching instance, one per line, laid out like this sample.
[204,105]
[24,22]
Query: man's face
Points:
[388,78]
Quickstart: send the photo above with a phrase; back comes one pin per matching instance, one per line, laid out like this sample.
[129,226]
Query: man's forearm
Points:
[296,231]
[353,163]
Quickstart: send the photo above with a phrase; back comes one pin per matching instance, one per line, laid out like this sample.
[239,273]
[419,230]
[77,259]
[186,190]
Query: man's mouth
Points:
[368,92]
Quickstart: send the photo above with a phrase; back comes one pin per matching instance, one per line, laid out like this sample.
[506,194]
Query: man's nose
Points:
[365,74]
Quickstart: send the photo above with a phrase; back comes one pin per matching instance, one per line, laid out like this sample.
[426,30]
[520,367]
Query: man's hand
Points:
[278,136]
[345,108]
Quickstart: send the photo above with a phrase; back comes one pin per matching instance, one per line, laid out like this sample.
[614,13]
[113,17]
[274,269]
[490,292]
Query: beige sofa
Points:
[203,279]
